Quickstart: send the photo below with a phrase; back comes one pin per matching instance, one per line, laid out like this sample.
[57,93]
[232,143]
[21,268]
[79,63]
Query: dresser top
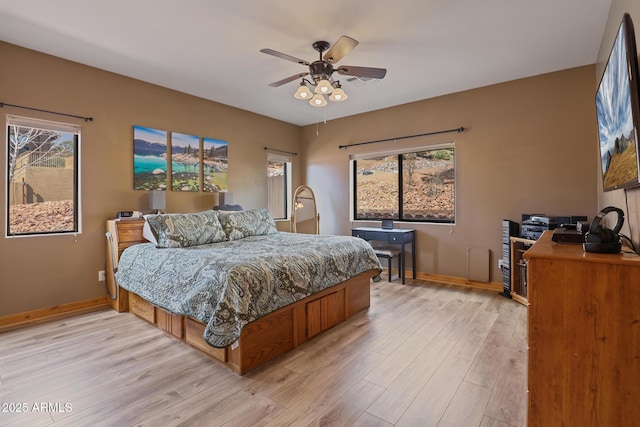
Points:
[546,248]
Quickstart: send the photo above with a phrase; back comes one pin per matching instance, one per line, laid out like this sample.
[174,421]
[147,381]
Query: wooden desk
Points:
[393,236]
[584,336]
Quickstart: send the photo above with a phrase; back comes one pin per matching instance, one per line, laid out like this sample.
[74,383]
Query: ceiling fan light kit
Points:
[321,72]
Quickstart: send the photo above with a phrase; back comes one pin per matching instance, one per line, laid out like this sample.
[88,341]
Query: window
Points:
[42,177]
[278,186]
[406,186]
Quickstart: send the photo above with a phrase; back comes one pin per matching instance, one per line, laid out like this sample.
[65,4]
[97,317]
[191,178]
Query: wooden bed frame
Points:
[261,340]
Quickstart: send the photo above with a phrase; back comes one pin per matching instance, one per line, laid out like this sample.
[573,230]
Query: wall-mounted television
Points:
[618,112]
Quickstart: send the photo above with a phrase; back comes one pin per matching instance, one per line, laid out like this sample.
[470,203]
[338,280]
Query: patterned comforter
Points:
[228,284]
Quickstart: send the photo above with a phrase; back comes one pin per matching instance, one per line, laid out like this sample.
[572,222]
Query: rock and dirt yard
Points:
[428,189]
[43,217]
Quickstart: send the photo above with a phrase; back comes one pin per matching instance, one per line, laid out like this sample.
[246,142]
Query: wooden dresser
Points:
[120,235]
[584,336]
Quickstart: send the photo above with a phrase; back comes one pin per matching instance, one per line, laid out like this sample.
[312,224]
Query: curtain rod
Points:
[460,129]
[86,119]
[281,151]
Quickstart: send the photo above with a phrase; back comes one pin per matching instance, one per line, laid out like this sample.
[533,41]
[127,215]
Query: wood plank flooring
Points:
[423,354]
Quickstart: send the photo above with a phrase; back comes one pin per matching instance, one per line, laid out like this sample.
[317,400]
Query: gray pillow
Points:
[253,222]
[187,229]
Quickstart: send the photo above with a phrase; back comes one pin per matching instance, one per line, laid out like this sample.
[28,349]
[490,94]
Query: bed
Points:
[233,286]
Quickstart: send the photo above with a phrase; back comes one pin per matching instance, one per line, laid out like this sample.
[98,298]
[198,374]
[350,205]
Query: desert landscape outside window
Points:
[42,177]
[410,186]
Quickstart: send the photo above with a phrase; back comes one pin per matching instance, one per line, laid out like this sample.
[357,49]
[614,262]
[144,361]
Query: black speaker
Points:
[599,238]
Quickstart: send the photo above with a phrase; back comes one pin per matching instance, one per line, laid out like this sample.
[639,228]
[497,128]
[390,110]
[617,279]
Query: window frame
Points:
[399,153]
[29,122]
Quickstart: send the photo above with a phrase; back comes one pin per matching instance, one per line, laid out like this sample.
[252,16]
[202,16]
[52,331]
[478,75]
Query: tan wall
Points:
[39,272]
[47,184]
[617,198]
[530,147]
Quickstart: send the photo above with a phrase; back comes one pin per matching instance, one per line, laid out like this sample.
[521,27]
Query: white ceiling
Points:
[211,48]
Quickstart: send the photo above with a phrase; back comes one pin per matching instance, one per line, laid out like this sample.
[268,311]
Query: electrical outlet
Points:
[101,276]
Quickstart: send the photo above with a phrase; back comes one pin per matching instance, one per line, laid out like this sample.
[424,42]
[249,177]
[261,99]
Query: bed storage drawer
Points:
[324,313]
[261,341]
[358,296]
[193,332]
[169,322]
[142,308]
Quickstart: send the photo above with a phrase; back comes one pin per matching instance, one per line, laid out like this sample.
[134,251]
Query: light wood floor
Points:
[422,355]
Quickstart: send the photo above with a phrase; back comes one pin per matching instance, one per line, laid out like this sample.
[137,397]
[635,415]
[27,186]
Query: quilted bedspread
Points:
[228,284]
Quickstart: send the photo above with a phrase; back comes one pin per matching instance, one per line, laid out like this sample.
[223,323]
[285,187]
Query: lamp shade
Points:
[157,200]
[318,100]
[338,95]
[324,87]
[303,92]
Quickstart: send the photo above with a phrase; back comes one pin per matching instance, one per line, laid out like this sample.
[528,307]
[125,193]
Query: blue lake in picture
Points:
[148,164]
[180,167]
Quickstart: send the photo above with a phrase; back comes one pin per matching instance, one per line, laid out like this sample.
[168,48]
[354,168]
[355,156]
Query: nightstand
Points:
[121,233]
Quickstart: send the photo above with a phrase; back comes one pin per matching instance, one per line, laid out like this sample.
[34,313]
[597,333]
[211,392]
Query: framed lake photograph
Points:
[185,162]
[149,159]
[214,164]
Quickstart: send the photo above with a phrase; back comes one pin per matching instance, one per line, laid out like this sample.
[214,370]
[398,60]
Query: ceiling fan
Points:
[322,70]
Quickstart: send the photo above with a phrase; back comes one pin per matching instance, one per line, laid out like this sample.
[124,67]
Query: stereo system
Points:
[533,225]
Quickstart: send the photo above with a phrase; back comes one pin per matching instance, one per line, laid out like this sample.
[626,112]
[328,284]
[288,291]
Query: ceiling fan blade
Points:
[287,80]
[339,49]
[374,73]
[284,56]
